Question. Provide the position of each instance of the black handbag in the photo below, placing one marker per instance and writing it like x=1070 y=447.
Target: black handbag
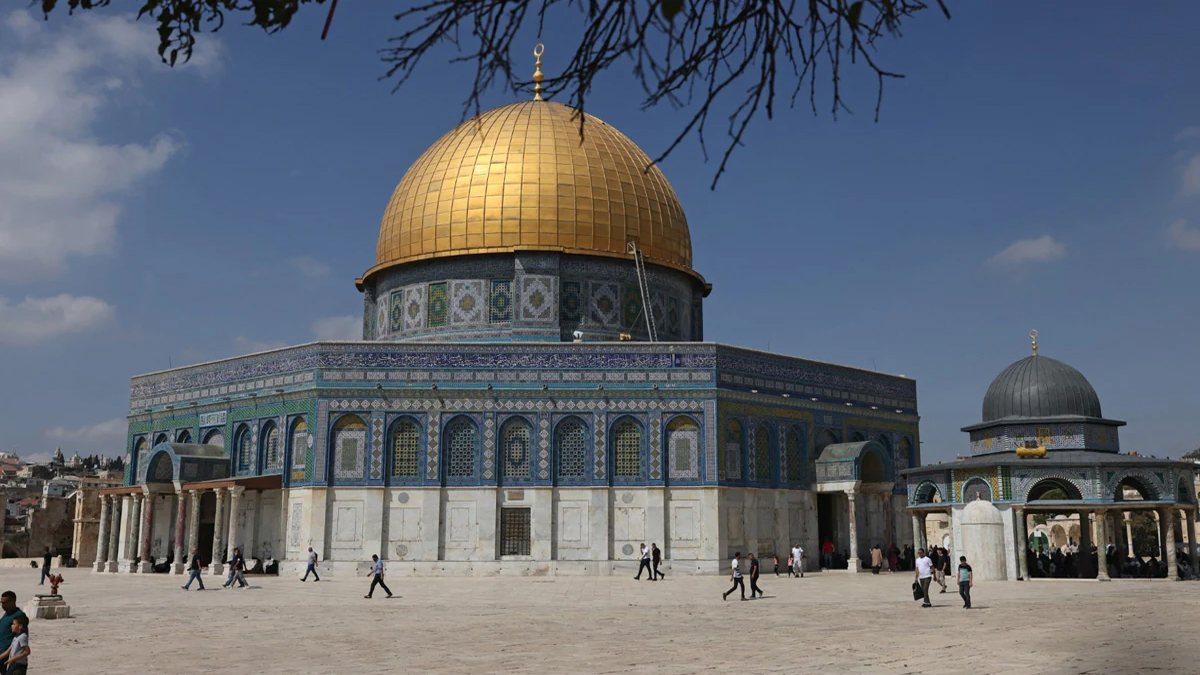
x=918 y=594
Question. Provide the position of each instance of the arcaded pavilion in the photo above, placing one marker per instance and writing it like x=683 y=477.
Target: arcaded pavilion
x=532 y=395
x=1045 y=448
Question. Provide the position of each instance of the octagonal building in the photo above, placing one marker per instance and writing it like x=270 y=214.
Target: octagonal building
x=532 y=395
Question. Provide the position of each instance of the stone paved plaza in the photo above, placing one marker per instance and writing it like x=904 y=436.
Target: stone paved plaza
x=836 y=623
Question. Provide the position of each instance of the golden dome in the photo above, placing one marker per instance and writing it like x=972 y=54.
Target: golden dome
x=519 y=178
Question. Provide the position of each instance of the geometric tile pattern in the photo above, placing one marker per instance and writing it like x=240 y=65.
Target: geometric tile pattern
x=432 y=446
x=462 y=436
x=794 y=457
x=762 y=454
x=631 y=308
x=604 y=304
x=672 y=319
x=627 y=449
x=376 y=447
x=382 y=320
x=414 y=309
x=543 y=462
x=655 y=447
x=437 y=308
x=572 y=302
x=516 y=443
x=467 y=303
x=537 y=298
x=500 y=307
x=598 y=452
x=489 y=446
x=349 y=448
x=733 y=449
x=406 y=449
x=571 y=450
x=710 y=441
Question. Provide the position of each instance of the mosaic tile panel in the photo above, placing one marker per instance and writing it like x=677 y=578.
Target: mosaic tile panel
x=500 y=303
x=403 y=302
x=383 y=318
x=604 y=304
x=793 y=456
x=468 y=303
x=349 y=448
x=300 y=445
x=489 y=446
x=671 y=320
x=571 y=310
x=571 y=450
x=537 y=298
x=433 y=446
x=438 y=307
x=655 y=447
x=543 y=463
x=658 y=304
x=710 y=440
x=414 y=309
x=631 y=308
x=732 y=446
x=376 y=447
x=517 y=448
x=762 y=454
x=599 y=448
x=320 y=442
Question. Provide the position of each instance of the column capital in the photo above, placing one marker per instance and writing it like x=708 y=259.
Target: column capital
x=236 y=490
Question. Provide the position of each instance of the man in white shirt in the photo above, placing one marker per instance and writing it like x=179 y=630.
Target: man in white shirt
x=736 y=577
x=644 y=563
x=798 y=559
x=924 y=575
x=377 y=578
x=312 y=566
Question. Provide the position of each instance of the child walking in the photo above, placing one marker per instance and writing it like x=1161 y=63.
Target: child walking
x=16 y=657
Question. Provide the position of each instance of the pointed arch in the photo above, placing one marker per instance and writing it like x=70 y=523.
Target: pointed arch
x=349 y=440
x=461 y=438
x=214 y=437
x=269 y=442
x=627 y=440
x=683 y=448
x=242 y=446
x=183 y=436
x=516 y=449
x=405 y=439
x=298 y=447
x=571 y=450
x=160 y=438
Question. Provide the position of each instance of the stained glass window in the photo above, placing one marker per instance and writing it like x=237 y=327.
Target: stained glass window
x=516 y=449
x=571 y=449
x=406 y=449
x=460 y=442
x=762 y=454
x=627 y=445
x=795 y=469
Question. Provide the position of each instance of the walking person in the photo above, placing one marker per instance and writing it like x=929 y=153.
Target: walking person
x=939 y=567
x=235 y=570
x=312 y=566
x=924 y=575
x=377 y=578
x=736 y=577
x=791 y=565
x=656 y=557
x=798 y=560
x=12 y=613
x=755 y=591
x=946 y=569
x=15 y=659
x=644 y=563
x=46 y=560
x=194 y=571
x=876 y=559
x=966 y=579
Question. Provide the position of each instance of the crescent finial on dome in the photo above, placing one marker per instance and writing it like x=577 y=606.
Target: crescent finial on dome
x=1033 y=336
x=537 y=73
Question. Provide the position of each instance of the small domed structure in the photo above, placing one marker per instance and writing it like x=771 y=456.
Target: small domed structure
x=982 y=529
x=1037 y=387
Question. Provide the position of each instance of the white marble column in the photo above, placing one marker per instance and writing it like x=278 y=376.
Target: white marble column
x=114 y=536
x=102 y=536
x=1102 y=545
x=134 y=538
x=1129 y=531
x=235 y=525
x=193 y=522
x=1083 y=563
x=918 y=526
x=216 y=567
x=852 y=565
x=147 y=530
x=1022 y=545
x=180 y=519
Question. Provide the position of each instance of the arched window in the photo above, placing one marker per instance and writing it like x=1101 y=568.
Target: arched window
x=733 y=449
x=977 y=489
x=904 y=453
x=461 y=440
x=215 y=437
x=242 y=443
x=349 y=447
x=627 y=449
x=762 y=453
x=570 y=450
x=683 y=448
x=270 y=444
x=160 y=438
x=184 y=436
x=406 y=449
x=298 y=440
x=794 y=457
x=514 y=443
x=133 y=461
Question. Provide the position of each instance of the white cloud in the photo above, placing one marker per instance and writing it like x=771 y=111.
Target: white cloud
x=106 y=437
x=310 y=267
x=338 y=328
x=1042 y=249
x=61 y=185
x=245 y=345
x=1191 y=177
x=36 y=319
x=1183 y=236
x=1188 y=132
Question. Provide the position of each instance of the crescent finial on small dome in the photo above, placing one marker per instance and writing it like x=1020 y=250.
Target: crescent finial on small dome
x=537 y=73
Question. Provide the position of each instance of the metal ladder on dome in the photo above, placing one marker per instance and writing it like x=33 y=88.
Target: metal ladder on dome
x=639 y=264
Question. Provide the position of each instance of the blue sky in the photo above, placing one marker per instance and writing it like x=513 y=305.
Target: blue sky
x=1039 y=167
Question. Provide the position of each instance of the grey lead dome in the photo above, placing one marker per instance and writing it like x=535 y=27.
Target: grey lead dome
x=1036 y=387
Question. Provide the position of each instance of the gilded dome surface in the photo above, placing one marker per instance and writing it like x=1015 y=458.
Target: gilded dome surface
x=1037 y=387
x=520 y=178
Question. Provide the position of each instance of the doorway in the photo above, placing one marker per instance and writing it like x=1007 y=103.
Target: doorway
x=827 y=527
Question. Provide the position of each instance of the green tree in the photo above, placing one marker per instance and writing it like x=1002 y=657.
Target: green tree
x=733 y=59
